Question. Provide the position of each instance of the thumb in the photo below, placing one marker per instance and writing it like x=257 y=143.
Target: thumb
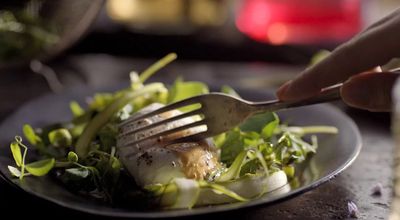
x=372 y=91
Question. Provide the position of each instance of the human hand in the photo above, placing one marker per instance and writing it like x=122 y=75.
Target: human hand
x=354 y=64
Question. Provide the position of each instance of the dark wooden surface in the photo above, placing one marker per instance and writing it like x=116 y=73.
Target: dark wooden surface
x=328 y=201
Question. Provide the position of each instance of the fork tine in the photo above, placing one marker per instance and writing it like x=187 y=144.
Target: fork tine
x=168 y=120
x=192 y=137
x=166 y=108
x=167 y=132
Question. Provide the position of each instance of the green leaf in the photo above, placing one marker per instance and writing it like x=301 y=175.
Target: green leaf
x=230 y=91
x=161 y=96
x=115 y=163
x=268 y=130
x=258 y=122
x=219 y=140
x=233 y=145
x=76 y=109
x=183 y=90
x=101 y=100
x=251 y=139
x=41 y=167
x=16 y=152
x=77 y=130
x=30 y=134
x=60 y=138
x=72 y=156
x=14 y=171
x=289 y=170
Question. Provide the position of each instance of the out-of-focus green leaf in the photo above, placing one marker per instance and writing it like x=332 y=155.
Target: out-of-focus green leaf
x=161 y=96
x=77 y=130
x=101 y=100
x=41 y=167
x=60 y=138
x=30 y=135
x=230 y=91
x=76 y=109
x=182 y=90
x=72 y=157
x=24 y=35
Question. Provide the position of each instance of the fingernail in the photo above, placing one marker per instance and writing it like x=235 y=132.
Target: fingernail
x=378 y=69
x=366 y=96
x=371 y=92
x=283 y=89
x=354 y=95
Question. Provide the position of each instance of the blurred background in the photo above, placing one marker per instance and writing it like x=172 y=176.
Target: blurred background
x=52 y=46
x=285 y=31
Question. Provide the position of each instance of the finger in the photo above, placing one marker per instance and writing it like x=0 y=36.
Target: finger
x=371 y=91
x=363 y=52
x=283 y=88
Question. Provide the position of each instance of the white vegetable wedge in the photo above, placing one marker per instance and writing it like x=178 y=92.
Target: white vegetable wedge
x=245 y=188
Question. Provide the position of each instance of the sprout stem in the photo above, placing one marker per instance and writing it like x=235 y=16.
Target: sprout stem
x=147 y=73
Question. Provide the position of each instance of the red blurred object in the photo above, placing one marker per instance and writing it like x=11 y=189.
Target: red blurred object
x=299 y=21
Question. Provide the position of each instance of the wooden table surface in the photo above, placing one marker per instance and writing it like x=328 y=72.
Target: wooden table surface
x=328 y=201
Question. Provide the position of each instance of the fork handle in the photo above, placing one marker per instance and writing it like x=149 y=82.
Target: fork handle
x=330 y=94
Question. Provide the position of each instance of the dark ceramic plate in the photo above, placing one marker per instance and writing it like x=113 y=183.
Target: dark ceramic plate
x=335 y=153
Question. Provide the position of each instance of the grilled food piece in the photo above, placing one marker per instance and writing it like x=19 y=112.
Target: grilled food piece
x=153 y=162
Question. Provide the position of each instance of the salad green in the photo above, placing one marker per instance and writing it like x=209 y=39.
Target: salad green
x=24 y=35
x=257 y=157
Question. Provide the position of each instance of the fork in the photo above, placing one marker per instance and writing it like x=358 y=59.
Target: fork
x=218 y=113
